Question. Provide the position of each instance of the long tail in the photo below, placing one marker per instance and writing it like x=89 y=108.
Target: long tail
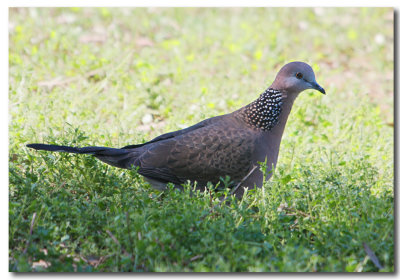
x=116 y=157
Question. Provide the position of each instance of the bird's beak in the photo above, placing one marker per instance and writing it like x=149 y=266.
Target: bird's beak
x=316 y=86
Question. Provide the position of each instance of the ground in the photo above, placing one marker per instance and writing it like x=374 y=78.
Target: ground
x=113 y=77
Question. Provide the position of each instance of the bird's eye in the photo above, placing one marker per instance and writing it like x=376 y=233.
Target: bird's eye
x=299 y=75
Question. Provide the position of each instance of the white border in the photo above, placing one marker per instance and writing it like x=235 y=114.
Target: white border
x=121 y=3
x=205 y=3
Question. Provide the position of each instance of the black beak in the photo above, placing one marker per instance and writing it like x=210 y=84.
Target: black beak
x=317 y=87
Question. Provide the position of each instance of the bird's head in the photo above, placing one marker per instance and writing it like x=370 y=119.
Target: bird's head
x=295 y=77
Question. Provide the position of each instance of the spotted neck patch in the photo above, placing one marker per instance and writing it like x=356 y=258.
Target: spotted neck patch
x=264 y=112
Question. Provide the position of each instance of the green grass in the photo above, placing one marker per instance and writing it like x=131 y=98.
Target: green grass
x=114 y=77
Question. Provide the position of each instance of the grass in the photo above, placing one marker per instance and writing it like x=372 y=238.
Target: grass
x=114 y=77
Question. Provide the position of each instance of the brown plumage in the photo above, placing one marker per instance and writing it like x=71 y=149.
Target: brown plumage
x=228 y=145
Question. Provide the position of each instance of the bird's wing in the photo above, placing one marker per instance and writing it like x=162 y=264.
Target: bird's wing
x=160 y=174
x=173 y=134
x=203 y=154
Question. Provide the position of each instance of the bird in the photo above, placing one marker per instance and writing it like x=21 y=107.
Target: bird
x=233 y=145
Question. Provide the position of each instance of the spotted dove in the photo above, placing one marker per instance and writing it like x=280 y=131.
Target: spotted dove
x=227 y=145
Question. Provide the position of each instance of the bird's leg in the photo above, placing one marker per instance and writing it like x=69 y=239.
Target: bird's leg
x=240 y=183
x=232 y=192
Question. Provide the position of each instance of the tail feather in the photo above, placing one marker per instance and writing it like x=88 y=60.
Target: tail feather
x=113 y=156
